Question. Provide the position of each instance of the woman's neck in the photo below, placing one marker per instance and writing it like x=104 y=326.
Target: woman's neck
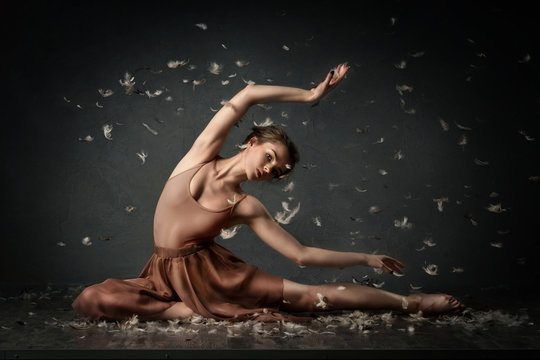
x=231 y=170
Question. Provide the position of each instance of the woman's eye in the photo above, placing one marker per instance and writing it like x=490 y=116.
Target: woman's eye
x=269 y=157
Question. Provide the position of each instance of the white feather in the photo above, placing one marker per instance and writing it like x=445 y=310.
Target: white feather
x=174 y=64
x=128 y=82
x=402 y=65
x=215 y=68
x=107 y=128
x=241 y=63
x=444 y=124
x=431 y=269
x=87 y=138
x=154 y=132
x=142 y=155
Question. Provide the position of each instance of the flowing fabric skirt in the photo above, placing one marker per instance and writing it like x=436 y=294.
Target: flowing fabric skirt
x=208 y=278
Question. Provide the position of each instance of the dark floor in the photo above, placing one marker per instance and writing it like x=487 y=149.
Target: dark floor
x=41 y=324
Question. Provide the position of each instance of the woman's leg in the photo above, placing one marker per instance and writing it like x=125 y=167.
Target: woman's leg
x=347 y=296
x=177 y=311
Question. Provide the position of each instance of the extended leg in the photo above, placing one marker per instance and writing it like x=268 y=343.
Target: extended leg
x=348 y=296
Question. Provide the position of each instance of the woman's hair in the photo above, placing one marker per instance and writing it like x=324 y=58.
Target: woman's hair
x=275 y=134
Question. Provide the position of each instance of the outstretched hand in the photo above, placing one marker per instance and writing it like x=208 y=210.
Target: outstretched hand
x=333 y=78
x=386 y=263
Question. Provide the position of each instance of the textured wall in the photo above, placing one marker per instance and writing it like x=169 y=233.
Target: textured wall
x=463 y=64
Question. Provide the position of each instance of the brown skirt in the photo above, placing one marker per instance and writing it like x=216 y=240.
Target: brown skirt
x=208 y=278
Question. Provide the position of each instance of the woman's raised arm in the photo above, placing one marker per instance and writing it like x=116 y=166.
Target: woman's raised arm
x=208 y=144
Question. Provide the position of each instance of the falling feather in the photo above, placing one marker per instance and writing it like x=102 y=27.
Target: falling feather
x=285 y=47
x=431 y=269
x=527 y=137
x=229 y=233
x=285 y=217
x=404 y=224
x=462 y=140
x=429 y=241
x=233 y=201
x=67 y=100
x=440 y=202
x=402 y=65
x=496 y=208
x=86 y=241
x=383 y=172
x=322 y=303
x=142 y=155
x=415 y=287
x=317 y=221
x=418 y=54
x=99 y=105
x=129 y=208
x=403 y=88
x=266 y=122
x=107 y=128
x=153 y=94
x=249 y=82
x=341 y=288
x=128 y=82
x=457 y=270
x=404 y=303
x=398 y=155
x=154 y=132
x=289 y=187
x=461 y=127
x=174 y=64
x=410 y=111
x=241 y=63
x=496 y=244
x=87 y=138
x=374 y=210
x=481 y=163
x=444 y=124
x=202 y=26
x=61 y=244
x=198 y=82
x=225 y=82
x=379 y=141
x=215 y=68
x=105 y=93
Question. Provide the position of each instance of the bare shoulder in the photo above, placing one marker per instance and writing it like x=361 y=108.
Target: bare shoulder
x=248 y=210
x=189 y=161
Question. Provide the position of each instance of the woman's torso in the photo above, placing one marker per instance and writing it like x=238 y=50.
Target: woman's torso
x=180 y=219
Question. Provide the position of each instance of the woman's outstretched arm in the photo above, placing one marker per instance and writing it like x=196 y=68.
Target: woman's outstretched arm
x=252 y=212
x=208 y=144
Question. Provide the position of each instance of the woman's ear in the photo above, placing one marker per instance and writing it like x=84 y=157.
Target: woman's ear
x=252 y=141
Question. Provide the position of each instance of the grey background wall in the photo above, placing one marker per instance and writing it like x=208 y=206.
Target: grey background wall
x=466 y=63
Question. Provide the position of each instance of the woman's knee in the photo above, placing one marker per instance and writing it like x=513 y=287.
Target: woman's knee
x=300 y=297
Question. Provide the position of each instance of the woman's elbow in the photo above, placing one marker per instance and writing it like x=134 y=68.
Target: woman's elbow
x=301 y=257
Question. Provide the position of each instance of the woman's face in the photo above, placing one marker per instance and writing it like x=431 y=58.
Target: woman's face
x=266 y=160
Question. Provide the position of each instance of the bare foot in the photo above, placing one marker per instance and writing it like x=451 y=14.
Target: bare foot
x=434 y=304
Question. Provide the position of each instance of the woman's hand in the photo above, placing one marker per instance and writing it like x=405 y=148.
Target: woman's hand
x=333 y=78
x=386 y=263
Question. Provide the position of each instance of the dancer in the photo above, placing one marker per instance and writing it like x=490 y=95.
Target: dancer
x=190 y=274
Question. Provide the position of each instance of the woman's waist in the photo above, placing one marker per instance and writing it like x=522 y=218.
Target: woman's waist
x=187 y=248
